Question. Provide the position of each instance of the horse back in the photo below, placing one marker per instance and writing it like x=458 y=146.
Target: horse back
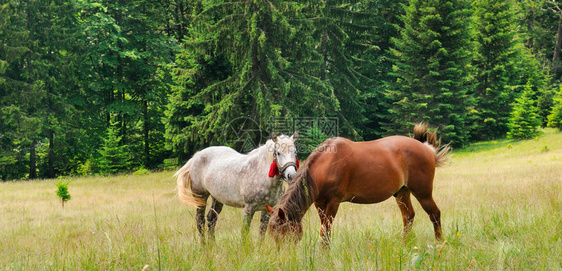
x=212 y=168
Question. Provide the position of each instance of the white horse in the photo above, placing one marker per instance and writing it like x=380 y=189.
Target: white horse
x=246 y=181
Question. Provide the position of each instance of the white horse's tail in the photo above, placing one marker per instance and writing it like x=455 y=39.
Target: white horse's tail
x=184 y=187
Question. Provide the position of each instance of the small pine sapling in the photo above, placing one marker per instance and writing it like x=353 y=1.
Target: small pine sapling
x=62 y=191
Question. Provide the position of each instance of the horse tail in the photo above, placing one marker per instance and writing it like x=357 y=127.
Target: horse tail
x=186 y=195
x=429 y=138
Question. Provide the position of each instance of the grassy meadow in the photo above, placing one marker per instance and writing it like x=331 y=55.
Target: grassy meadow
x=500 y=201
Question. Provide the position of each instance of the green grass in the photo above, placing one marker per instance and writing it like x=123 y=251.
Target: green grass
x=501 y=205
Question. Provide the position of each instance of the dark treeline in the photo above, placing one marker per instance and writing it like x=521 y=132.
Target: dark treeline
x=91 y=87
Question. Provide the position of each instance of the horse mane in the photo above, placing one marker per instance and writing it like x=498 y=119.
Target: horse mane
x=302 y=192
x=422 y=134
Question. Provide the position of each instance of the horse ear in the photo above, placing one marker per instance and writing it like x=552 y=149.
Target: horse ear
x=295 y=136
x=274 y=137
x=269 y=209
x=281 y=215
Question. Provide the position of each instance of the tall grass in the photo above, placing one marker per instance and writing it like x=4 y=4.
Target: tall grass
x=501 y=205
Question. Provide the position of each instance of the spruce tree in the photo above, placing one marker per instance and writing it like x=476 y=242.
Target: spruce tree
x=377 y=64
x=524 y=121
x=250 y=59
x=431 y=66
x=40 y=56
x=130 y=81
x=62 y=191
x=342 y=31
x=555 y=117
x=495 y=38
x=56 y=59
x=18 y=123
x=538 y=26
x=114 y=156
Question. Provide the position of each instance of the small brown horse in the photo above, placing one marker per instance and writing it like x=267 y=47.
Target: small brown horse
x=341 y=170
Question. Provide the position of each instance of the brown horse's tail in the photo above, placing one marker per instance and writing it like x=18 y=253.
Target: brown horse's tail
x=184 y=187
x=422 y=134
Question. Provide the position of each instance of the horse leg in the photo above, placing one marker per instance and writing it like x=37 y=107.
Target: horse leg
x=327 y=213
x=405 y=204
x=264 y=221
x=249 y=211
x=200 y=217
x=434 y=214
x=212 y=217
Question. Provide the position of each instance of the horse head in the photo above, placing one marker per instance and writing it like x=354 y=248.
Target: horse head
x=282 y=227
x=285 y=162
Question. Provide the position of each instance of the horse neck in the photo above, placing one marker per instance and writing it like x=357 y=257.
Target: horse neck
x=260 y=155
x=303 y=191
x=299 y=196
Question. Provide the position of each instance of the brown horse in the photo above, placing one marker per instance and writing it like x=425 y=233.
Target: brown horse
x=341 y=170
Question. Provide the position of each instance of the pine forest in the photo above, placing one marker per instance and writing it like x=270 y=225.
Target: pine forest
x=108 y=87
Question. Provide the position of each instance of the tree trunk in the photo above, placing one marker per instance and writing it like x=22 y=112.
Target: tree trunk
x=146 y=129
x=51 y=155
x=325 y=60
x=556 y=55
x=531 y=27
x=32 y=162
x=181 y=26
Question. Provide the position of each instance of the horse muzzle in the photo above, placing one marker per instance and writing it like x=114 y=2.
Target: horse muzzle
x=289 y=171
x=290 y=174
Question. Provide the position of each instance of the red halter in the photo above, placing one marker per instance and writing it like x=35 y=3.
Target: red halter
x=274 y=170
